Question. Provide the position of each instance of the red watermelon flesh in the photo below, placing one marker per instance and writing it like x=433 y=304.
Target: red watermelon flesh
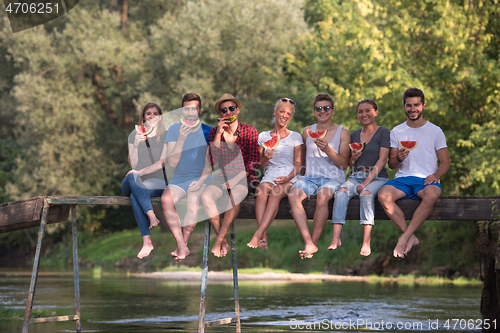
x=316 y=135
x=190 y=123
x=408 y=145
x=143 y=129
x=357 y=146
x=273 y=143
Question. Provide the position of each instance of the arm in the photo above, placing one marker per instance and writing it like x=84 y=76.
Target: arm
x=396 y=157
x=174 y=149
x=133 y=149
x=304 y=149
x=251 y=157
x=382 y=159
x=155 y=166
x=342 y=158
x=444 y=166
x=297 y=166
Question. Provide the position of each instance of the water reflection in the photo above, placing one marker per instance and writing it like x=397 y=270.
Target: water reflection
x=129 y=304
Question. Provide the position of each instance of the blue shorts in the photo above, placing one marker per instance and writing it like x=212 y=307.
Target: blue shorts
x=183 y=183
x=312 y=185
x=410 y=185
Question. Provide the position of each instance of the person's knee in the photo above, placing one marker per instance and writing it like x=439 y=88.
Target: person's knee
x=384 y=196
x=342 y=192
x=365 y=193
x=431 y=194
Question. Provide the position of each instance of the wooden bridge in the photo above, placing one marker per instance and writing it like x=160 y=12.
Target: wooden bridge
x=40 y=211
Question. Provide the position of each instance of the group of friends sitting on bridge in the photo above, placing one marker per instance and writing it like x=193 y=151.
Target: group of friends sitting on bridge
x=217 y=167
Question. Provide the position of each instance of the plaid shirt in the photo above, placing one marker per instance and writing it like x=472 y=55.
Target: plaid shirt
x=245 y=156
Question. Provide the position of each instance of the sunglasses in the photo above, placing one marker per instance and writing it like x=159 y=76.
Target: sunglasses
x=287 y=100
x=319 y=108
x=231 y=108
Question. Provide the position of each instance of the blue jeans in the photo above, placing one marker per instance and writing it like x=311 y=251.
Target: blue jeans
x=140 y=197
x=366 y=202
x=311 y=185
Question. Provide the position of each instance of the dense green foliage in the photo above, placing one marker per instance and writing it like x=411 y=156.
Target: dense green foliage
x=71 y=90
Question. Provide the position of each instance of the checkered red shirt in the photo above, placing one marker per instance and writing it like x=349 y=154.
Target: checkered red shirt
x=230 y=161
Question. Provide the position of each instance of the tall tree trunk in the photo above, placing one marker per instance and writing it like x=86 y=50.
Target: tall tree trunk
x=124 y=12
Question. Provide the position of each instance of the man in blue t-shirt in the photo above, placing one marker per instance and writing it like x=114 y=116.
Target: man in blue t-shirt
x=187 y=154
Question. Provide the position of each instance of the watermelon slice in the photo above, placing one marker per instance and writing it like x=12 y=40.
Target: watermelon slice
x=144 y=130
x=231 y=119
x=357 y=146
x=316 y=135
x=273 y=143
x=408 y=145
x=190 y=123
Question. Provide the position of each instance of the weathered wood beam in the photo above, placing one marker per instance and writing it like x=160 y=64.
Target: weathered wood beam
x=27 y=213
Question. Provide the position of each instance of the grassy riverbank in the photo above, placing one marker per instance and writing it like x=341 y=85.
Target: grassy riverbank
x=444 y=250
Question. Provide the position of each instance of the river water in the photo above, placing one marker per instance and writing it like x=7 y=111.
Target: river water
x=120 y=303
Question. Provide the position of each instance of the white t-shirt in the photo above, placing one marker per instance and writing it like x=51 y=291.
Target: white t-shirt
x=422 y=161
x=283 y=155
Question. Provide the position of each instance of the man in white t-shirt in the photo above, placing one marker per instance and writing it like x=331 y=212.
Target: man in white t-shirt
x=418 y=171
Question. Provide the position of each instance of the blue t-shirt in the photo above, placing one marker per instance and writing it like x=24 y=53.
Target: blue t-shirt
x=193 y=154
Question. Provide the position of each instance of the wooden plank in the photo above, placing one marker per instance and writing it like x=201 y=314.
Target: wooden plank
x=27 y=213
x=446 y=208
x=53 y=319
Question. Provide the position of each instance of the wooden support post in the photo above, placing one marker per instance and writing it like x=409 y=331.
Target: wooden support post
x=204 y=279
x=75 y=269
x=204 y=276
x=36 y=265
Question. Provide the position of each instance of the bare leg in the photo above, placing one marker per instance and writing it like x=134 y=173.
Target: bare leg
x=238 y=193
x=321 y=213
x=337 y=228
x=147 y=247
x=365 y=248
x=295 y=197
x=277 y=194
x=407 y=240
x=170 y=196
x=261 y=202
x=193 y=209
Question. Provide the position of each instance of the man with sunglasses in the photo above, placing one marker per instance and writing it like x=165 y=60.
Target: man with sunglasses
x=233 y=147
x=326 y=161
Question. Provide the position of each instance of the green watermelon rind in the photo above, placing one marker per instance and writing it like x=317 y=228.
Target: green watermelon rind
x=264 y=144
x=357 y=150
x=409 y=149
x=316 y=135
x=230 y=119
x=138 y=129
x=183 y=122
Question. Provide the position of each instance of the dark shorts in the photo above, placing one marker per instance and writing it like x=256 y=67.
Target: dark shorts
x=410 y=186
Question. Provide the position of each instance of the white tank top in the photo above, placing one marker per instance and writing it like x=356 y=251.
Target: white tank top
x=318 y=164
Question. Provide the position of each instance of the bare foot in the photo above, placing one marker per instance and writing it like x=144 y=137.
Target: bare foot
x=225 y=248
x=333 y=246
x=145 y=251
x=153 y=223
x=263 y=244
x=175 y=253
x=365 y=250
x=254 y=242
x=404 y=245
x=220 y=249
x=413 y=241
x=308 y=251
x=181 y=254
